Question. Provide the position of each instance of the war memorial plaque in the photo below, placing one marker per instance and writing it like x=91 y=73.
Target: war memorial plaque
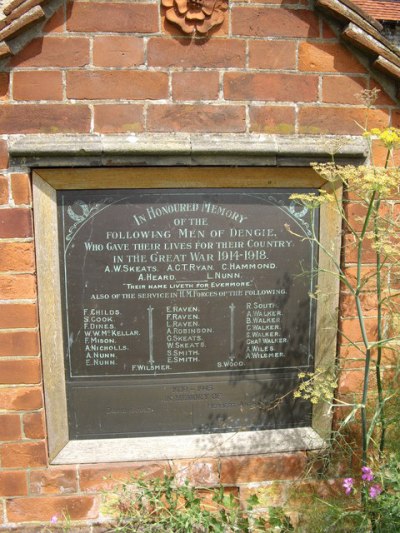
x=185 y=310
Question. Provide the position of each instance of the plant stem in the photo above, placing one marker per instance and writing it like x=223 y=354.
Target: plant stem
x=364 y=333
x=363 y=407
x=379 y=333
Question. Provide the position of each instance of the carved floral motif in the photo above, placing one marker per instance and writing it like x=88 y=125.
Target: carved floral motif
x=195 y=15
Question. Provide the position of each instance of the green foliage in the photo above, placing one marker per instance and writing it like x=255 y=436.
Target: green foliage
x=332 y=517
x=379 y=514
x=375 y=413
x=279 y=521
x=316 y=386
x=385 y=509
x=162 y=505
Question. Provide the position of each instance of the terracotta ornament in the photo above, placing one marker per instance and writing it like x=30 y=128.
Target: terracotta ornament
x=195 y=16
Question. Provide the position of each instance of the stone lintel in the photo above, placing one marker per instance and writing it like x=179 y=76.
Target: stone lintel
x=182 y=149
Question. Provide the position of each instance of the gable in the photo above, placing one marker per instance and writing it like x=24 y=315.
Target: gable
x=100 y=67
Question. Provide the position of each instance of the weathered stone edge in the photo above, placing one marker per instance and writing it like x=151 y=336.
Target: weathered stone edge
x=104 y=150
x=190 y=446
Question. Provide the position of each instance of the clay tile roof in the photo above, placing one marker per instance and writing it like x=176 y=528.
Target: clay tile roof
x=381 y=9
x=361 y=29
x=16 y=16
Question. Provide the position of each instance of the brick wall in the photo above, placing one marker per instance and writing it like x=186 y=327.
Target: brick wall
x=121 y=68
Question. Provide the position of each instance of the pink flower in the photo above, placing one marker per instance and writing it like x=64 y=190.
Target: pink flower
x=348 y=483
x=367 y=474
x=374 y=491
x=54 y=519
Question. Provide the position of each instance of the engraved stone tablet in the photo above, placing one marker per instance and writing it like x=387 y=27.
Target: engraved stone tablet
x=185 y=311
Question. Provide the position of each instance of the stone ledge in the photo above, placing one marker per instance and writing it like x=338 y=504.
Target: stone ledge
x=189 y=446
x=181 y=149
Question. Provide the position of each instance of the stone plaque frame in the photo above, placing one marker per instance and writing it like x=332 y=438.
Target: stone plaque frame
x=46 y=182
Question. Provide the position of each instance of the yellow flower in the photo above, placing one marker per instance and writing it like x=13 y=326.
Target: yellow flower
x=312 y=200
x=389 y=136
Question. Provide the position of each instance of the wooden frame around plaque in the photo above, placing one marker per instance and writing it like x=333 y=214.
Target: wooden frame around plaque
x=46 y=184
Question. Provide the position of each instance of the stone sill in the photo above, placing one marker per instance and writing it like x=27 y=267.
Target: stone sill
x=182 y=149
x=189 y=446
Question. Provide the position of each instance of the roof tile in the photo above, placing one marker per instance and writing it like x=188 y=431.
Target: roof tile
x=22 y=23
x=380 y=9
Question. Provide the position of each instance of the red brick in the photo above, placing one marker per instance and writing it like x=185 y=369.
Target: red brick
x=3 y=154
x=350 y=250
x=342 y=89
x=350 y=330
x=334 y=120
x=272 y=54
x=327 y=57
x=21 y=189
x=10 y=427
x=118 y=51
x=15 y=223
x=57 y=480
x=45 y=118
x=195 y=85
x=394 y=277
x=112 y=17
x=396 y=118
x=196 y=118
x=4 y=85
x=23 y=454
x=106 y=476
x=17 y=257
x=43 y=508
x=368 y=303
x=117 y=84
x=20 y=372
x=19 y=286
x=327 y=32
x=196 y=53
x=266 y=22
x=356 y=213
x=367 y=279
x=390 y=356
x=262 y=468
x=351 y=356
x=19 y=343
x=352 y=380
x=34 y=425
x=13 y=483
x=4 y=192
x=40 y=85
x=274 y=2
x=382 y=98
x=271 y=87
x=56 y=24
x=200 y=473
x=21 y=398
x=118 y=118
x=280 y=120
x=54 y=52
x=18 y=316
x=379 y=154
